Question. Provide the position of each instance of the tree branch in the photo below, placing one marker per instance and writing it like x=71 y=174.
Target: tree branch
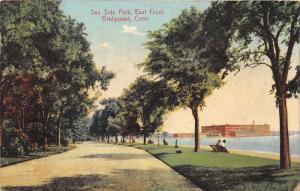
x=279 y=30
x=253 y=65
x=294 y=35
x=271 y=53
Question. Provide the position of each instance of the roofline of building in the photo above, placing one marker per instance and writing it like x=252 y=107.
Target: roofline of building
x=234 y=125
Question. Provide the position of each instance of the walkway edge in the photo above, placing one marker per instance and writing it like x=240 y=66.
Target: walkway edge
x=187 y=179
x=37 y=157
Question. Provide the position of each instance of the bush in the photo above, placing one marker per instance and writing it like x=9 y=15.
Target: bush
x=13 y=148
x=66 y=141
x=12 y=144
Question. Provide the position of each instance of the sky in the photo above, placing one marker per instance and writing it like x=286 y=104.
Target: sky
x=120 y=47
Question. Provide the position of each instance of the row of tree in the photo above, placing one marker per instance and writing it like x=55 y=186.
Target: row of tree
x=193 y=53
x=47 y=70
x=138 y=111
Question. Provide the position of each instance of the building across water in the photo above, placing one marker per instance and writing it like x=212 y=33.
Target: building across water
x=183 y=135
x=228 y=130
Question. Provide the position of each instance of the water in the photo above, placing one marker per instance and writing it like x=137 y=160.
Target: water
x=263 y=144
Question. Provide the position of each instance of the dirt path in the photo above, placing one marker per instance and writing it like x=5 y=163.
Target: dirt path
x=94 y=167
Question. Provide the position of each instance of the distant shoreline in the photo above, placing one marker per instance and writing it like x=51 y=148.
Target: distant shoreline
x=221 y=137
x=259 y=154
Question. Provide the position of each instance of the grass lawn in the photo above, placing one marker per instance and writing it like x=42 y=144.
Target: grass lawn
x=51 y=150
x=222 y=171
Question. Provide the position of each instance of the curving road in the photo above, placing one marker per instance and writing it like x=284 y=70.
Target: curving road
x=94 y=166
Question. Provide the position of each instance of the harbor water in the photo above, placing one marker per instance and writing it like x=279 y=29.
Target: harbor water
x=270 y=144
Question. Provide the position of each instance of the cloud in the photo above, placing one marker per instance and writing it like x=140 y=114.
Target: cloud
x=131 y=30
x=104 y=45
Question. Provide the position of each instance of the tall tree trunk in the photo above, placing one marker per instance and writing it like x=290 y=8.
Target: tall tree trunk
x=145 y=127
x=1 y=118
x=23 y=118
x=108 y=137
x=45 y=129
x=1 y=101
x=58 y=133
x=45 y=143
x=285 y=158
x=116 y=138
x=196 y=118
x=144 y=137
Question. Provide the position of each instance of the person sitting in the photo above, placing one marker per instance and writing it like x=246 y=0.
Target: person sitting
x=222 y=144
x=150 y=142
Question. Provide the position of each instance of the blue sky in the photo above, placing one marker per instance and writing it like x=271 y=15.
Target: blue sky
x=111 y=33
x=117 y=46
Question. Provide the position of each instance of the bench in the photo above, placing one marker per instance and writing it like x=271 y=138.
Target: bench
x=217 y=148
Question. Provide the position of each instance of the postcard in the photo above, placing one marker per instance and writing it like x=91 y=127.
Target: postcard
x=149 y=95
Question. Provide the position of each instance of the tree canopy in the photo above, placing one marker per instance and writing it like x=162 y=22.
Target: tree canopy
x=174 y=61
x=263 y=34
x=46 y=66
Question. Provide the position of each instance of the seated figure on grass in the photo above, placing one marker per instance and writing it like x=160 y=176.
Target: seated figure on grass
x=220 y=146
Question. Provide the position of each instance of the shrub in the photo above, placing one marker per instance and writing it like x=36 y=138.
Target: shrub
x=13 y=148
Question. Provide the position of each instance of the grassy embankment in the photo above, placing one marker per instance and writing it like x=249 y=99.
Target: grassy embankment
x=222 y=171
x=51 y=150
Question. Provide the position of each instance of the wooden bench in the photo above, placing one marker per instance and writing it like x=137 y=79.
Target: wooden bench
x=217 y=148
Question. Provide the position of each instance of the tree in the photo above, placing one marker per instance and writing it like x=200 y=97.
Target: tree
x=149 y=101
x=39 y=41
x=18 y=54
x=173 y=61
x=263 y=34
x=109 y=120
x=165 y=134
x=96 y=128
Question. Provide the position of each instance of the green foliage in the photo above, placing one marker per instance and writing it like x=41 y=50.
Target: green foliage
x=149 y=101
x=261 y=34
x=173 y=60
x=12 y=144
x=13 y=148
x=187 y=67
x=139 y=110
x=81 y=130
x=109 y=120
x=51 y=56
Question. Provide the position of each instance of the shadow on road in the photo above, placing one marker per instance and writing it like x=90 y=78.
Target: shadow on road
x=75 y=183
x=124 y=179
x=106 y=145
x=117 y=156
